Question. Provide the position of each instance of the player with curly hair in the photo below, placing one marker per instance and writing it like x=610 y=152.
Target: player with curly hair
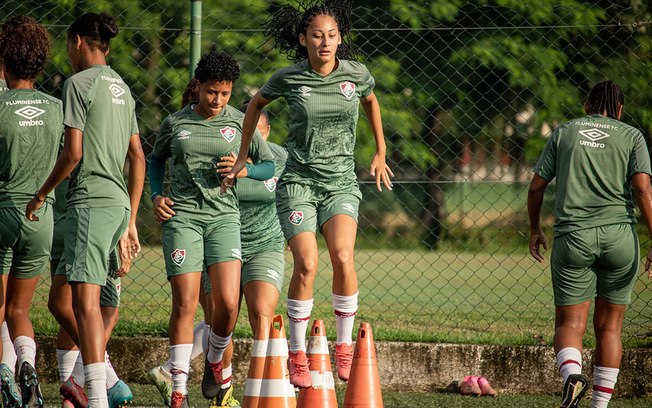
x=100 y=131
x=201 y=227
x=28 y=119
x=318 y=189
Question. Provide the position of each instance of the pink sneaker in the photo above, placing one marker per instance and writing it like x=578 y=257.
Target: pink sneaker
x=299 y=368
x=470 y=386
x=485 y=387
x=343 y=359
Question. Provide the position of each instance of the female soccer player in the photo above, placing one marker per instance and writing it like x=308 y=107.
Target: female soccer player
x=201 y=227
x=318 y=188
x=100 y=131
x=601 y=165
x=28 y=119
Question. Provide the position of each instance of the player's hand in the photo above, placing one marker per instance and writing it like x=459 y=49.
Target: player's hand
x=226 y=163
x=381 y=171
x=538 y=239
x=34 y=204
x=125 y=259
x=229 y=180
x=162 y=210
x=133 y=241
x=648 y=264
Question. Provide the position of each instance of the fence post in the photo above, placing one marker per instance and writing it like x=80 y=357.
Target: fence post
x=195 y=35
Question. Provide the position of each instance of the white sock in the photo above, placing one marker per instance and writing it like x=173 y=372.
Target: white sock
x=198 y=341
x=569 y=361
x=227 y=373
x=66 y=363
x=206 y=334
x=96 y=385
x=604 y=381
x=8 y=352
x=111 y=375
x=345 y=308
x=78 y=374
x=217 y=347
x=299 y=317
x=180 y=358
x=25 y=350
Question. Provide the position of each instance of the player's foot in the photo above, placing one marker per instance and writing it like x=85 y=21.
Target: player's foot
x=119 y=395
x=470 y=386
x=178 y=400
x=163 y=382
x=575 y=387
x=30 y=390
x=299 y=368
x=486 y=388
x=212 y=379
x=74 y=393
x=343 y=359
x=225 y=399
x=67 y=404
x=10 y=393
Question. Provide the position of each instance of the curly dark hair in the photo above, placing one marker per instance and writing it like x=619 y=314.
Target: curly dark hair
x=96 y=29
x=191 y=93
x=24 y=47
x=217 y=66
x=605 y=97
x=287 y=22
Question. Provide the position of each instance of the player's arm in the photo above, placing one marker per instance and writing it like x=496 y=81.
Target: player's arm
x=643 y=194
x=70 y=156
x=534 y=204
x=379 y=168
x=136 y=159
x=249 y=123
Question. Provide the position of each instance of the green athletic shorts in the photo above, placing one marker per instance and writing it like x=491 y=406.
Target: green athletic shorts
x=307 y=207
x=25 y=245
x=90 y=235
x=595 y=262
x=265 y=267
x=191 y=242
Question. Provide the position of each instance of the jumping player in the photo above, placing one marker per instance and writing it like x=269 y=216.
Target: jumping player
x=318 y=189
x=201 y=227
x=601 y=165
x=100 y=131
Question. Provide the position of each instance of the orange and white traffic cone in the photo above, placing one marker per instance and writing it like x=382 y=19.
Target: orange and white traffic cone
x=276 y=390
x=322 y=392
x=363 y=389
x=256 y=364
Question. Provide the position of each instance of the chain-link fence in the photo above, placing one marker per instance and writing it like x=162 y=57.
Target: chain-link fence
x=469 y=92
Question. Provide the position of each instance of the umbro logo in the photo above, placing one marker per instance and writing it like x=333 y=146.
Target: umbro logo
x=183 y=135
x=116 y=90
x=29 y=112
x=305 y=91
x=594 y=134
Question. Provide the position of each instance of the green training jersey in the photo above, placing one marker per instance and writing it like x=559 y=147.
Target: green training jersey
x=3 y=86
x=30 y=135
x=593 y=159
x=99 y=103
x=260 y=230
x=323 y=118
x=195 y=145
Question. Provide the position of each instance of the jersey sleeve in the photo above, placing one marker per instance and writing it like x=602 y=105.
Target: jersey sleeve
x=161 y=150
x=259 y=150
x=546 y=167
x=75 y=106
x=639 y=159
x=367 y=82
x=275 y=87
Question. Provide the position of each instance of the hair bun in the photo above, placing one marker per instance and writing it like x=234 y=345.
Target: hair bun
x=107 y=27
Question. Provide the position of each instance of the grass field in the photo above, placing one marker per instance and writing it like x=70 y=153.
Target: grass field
x=147 y=395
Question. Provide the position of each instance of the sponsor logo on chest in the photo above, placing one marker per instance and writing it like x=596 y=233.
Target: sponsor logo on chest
x=593 y=135
x=228 y=133
x=30 y=113
x=270 y=184
x=304 y=91
x=178 y=256
x=348 y=89
x=183 y=135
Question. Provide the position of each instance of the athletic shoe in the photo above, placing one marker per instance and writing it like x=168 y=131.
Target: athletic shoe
x=178 y=400
x=163 y=382
x=74 y=393
x=575 y=387
x=343 y=359
x=67 y=404
x=225 y=399
x=299 y=368
x=10 y=393
x=30 y=389
x=119 y=395
x=485 y=387
x=470 y=386
x=211 y=379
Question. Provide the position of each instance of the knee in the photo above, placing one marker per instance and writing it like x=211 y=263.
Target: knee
x=305 y=267
x=184 y=308
x=607 y=328
x=343 y=260
x=573 y=323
